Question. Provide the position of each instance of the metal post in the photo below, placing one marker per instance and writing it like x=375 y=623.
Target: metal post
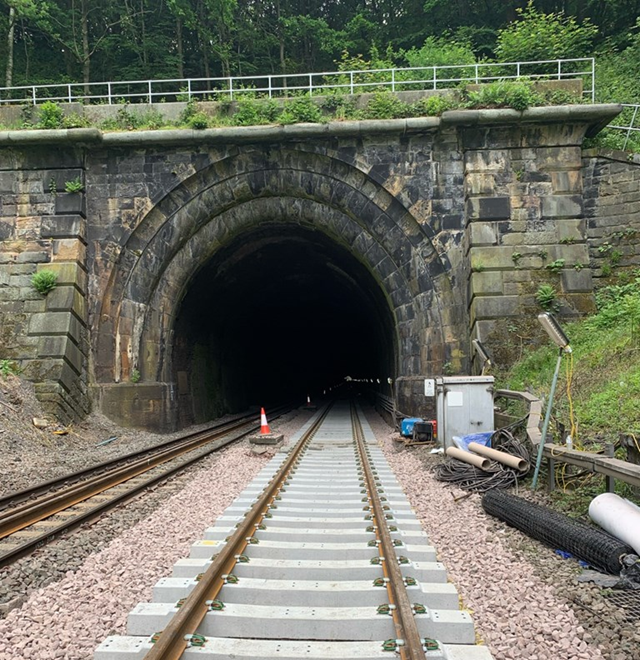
x=609 y=452
x=310 y=84
x=435 y=85
x=150 y=93
x=270 y=88
x=517 y=69
x=231 y=88
x=551 y=477
x=351 y=81
x=477 y=76
x=547 y=417
x=33 y=96
x=109 y=92
x=189 y=89
x=631 y=123
x=393 y=80
x=70 y=97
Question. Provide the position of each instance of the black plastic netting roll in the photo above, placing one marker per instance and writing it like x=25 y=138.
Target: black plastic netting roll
x=597 y=548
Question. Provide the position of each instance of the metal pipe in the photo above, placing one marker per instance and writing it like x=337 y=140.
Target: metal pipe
x=547 y=417
x=514 y=462
x=467 y=457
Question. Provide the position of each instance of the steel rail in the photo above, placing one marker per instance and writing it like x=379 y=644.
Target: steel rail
x=411 y=646
x=45 y=486
x=26 y=547
x=172 y=641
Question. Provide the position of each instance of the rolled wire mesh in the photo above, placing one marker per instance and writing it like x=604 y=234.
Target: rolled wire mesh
x=597 y=548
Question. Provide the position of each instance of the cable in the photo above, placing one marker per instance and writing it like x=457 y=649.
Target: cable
x=497 y=475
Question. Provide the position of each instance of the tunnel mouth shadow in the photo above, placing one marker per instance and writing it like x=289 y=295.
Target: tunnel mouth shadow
x=279 y=312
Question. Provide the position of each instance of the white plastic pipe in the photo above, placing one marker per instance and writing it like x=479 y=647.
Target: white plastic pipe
x=514 y=462
x=617 y=516
x=467 y=457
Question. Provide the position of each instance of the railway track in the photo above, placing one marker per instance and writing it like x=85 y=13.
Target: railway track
x=37 y=515
x=320 y=557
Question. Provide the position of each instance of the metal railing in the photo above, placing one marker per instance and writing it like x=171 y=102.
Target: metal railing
x=282 y=85
x=628 y=121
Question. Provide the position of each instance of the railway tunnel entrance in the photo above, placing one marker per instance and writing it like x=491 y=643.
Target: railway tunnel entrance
x=281 y=312
x=270 y=275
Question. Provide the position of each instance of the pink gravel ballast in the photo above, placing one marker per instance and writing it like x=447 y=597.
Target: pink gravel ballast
x=68 y=619
x=516 y=614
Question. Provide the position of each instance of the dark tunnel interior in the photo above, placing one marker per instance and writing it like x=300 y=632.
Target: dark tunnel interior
x=279 y=313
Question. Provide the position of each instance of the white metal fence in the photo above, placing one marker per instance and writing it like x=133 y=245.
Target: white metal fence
x=352 y=82
x=628 y=121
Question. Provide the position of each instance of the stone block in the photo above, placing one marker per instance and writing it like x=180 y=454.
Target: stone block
x=69 y=249
x=566 y=181
x=562 y=206
x=577 y=281
x=61 y=347
x=480 y=183
x=32 y=257
x=66 y=298
x=483 y=233
x=8 y=182
x=493 y=208
x=571 y=229
x=492 y=258
x=55 y=323
x=486 y=283
x=71 y=204
x=495 y=307
x=63 y=226
x=266 y=438
x=68 y=273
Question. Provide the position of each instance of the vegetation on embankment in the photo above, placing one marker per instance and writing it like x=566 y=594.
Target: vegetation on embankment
x=603 y=370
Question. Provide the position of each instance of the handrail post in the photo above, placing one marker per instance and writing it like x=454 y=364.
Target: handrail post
x=517 y=69
x=477 y=74
x=150 y=92
x=593 y=80
x=393 y=80
x=559 y=69
x=351 y=81
x=631 y=123
x=109 y=92
x=188 y=89
x=270 y=88
x=311 y=84
x=33 y=95
x=231 y=88
x=69 y=90
x=435 y=84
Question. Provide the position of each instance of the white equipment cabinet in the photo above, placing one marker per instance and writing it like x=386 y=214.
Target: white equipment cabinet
x=464 y=405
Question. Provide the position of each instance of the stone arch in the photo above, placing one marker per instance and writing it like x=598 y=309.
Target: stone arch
x=184 y=229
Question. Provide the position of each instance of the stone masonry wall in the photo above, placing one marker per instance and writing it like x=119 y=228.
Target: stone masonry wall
x=612 y=210
x=42 y=227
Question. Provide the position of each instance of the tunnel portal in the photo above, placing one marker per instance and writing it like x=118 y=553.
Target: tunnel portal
x=280 y=313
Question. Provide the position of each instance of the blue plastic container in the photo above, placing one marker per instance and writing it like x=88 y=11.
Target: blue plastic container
x=406 y=427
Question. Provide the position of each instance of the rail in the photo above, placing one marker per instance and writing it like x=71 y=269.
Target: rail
x=283 y=85
x=608 y=466
x=630 y=117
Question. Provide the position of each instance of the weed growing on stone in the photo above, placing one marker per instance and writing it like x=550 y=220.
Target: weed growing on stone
x=44 y=281
x=74 y=186
x=9 y=368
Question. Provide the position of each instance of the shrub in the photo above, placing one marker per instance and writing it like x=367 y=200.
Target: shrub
x=301 y=109
x=75 y=120
x=50 y=115
x=518 y=95
x=199 y=121
x=253 y=112
x=386 y=105
x=189 y=111
x=434 y=106
x=44 y=281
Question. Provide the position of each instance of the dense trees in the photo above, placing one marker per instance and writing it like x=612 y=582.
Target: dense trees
x=93 y=40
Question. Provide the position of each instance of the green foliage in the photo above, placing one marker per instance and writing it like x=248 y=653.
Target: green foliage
x=547 y=297
x=539 y=36
x=434 y=106
x=518 y=95
x=50 y=115
x=385 y=105
x=253 y=112
x=74 y=186
x=301 y=109
x=75 y=120
x=135 y=376
x=556 y=266
x=606 y=370
x=189 y=111
x=44 y=281
x=439 y=51
x=199 y=121
x=9 y=368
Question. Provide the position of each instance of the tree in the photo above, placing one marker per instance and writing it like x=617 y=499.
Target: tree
x=19 y=9
x=538 y=36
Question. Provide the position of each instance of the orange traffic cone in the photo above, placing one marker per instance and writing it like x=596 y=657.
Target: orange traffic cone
x=264 y=426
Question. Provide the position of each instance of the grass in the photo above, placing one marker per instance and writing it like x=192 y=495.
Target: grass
x=604 y=370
